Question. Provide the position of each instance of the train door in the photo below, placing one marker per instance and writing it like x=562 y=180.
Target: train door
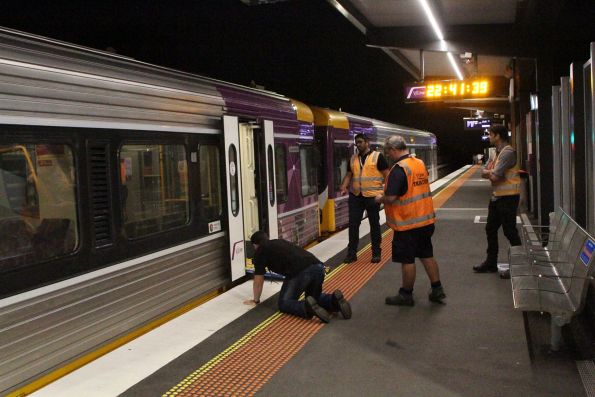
x=248 y=175
x=250 y=181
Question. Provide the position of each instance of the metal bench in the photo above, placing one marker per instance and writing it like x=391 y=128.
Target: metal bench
x=553 y=278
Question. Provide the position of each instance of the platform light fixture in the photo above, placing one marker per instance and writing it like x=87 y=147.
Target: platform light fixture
x=433 y=21
x=438 y=32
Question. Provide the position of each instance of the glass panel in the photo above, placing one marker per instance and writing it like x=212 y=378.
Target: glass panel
x=38 y=215
x=271 y=173
x=308 y=169
x=154 y=188
x=341 y=156
x=281 y=172
x=210 y=182
x=233 y=180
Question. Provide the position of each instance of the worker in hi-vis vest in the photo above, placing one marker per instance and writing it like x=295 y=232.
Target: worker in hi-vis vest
x=364 y=178
x=503 y=173
x=410 y=213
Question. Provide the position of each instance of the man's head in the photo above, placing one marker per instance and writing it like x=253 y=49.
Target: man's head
x=395 y=147
x=362 y=142
x=258 y=238
x=498 y=134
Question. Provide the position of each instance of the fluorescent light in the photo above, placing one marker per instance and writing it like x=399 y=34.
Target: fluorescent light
x=454 y=66
x=433 y=21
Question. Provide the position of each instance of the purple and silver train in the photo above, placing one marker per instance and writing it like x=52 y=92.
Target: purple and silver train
x=127 y=191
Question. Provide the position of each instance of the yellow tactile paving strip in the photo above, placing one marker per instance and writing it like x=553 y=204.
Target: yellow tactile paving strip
x=244 y=367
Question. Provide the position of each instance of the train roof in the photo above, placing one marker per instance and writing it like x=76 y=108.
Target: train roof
x=329 y=117
x=385 y=128
x=342 y=120
x=49 y=82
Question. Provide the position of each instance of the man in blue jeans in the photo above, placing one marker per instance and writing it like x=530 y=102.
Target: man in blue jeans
x=304 y=273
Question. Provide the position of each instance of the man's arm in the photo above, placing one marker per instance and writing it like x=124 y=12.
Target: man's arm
x=257 y=285
x=345 y=182
x=386 y=199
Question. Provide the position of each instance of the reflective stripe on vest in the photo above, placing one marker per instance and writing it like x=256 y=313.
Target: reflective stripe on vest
x=367 y=181
x=511 y=184
x=415 y=208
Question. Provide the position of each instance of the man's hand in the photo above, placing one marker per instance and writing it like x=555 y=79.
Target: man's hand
x=379 y=199
x=343 y=190
x=250 y=302
x=486 y=173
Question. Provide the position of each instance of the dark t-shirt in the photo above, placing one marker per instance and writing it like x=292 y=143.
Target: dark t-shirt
x=381 y=164
x=282 y=257
x=397 y=180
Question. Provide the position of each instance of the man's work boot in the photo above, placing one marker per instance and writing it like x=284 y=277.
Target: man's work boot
x=313 y=308
x=350 y=258
x=485 y=267
x=342 y=304
x=437 y=295
x=400 y=300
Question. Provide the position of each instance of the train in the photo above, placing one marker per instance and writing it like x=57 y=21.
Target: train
x=128 y=190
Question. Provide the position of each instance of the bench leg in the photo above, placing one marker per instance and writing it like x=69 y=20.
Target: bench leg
x=556 y=324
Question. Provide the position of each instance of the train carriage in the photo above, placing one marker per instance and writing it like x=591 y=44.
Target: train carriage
x=121 y=194
x=335 y=132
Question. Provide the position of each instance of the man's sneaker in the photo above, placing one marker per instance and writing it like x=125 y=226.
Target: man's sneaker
x=350 y=258
x=342 y=304
x=400 y=300
x=376 y=258
x=313 y=308
x=485 y=267
x=437 y=294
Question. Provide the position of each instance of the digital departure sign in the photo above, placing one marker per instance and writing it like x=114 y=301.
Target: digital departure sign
x=446 y=90
x=474 y=124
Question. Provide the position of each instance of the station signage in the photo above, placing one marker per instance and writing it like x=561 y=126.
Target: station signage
x=476 y=124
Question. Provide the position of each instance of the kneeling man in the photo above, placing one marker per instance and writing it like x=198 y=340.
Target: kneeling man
x=304 y=273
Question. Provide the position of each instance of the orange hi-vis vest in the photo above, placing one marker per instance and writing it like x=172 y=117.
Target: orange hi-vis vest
x=415 y=208
x=511 y=184
x=366 y=179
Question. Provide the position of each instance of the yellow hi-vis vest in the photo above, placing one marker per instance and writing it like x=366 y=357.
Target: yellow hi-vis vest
x=366 y=180
x=511 y=184
x=415 y=208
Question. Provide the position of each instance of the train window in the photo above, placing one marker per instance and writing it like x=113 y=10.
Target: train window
x=271 y=172
x=308 y=168
x=154 y=188
x=210 y=182
x=38 y=216
x=341 y=156
x=281 y=172
x=234 y=194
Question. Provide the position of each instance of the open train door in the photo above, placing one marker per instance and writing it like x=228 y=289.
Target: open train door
x=271 y=183
x=234 y=196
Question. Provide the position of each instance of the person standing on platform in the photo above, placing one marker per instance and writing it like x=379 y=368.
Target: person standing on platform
x=506 y=189
x=366 y=173
x=304 y=273
x=410 y=213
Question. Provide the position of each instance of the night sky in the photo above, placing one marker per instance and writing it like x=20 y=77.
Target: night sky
x=303 y=49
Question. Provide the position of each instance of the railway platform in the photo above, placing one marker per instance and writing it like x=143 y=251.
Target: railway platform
x=475 y=344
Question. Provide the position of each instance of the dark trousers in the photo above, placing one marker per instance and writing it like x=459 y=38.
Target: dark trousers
x=308 y=281
x=357 y=205
x=501 y=212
